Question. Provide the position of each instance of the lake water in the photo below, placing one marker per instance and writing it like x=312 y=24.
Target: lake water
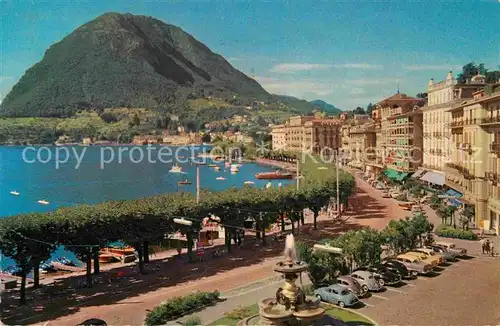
x=99 y=178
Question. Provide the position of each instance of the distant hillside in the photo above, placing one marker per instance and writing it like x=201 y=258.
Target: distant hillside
x=300 y=106
x=122 y=60
x=328 y=108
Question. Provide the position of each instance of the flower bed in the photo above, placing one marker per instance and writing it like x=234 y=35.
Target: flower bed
x=447 y=231
x=180 y=306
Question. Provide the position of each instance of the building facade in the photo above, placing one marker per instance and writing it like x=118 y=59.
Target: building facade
x=474 y=169
x=441 y=97
x=306 y=134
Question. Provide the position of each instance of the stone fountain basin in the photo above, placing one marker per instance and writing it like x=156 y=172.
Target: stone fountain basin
x=274 y=313
x=283 y=267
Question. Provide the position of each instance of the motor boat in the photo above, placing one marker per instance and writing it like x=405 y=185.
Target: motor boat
x=43 y=202
x=220 y=178
x=248 y=182
x=213 y=166
x=65 y=261
x=14 y=193
x=274 y=175
x=184 y=182
x=175 y=169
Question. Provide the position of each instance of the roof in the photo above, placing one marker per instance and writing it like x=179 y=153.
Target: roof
x=398 y=97
x=434 y=177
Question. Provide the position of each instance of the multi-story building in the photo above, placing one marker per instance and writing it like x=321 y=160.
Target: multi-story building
x=306 y=134
x=474 y=169
x=399 y=134
x=441 y=96
x=361 y=145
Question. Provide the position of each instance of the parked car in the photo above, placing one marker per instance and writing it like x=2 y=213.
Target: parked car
x=352 y=284
x=450 y=246
x=447 y=254
x=431 y=253
x=415 y=264
x=367 y=280
x=385 y=194
x=423 y=257
x=399 y=268
x=337 y=294
x=383 y=274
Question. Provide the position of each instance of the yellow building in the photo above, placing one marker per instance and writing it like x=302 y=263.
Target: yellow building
x=441 y=97
x=399 y=135
x=474 y=169
x=362 y=145
x=306 y=134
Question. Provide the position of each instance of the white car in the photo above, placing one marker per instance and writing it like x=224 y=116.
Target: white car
x=367 y=280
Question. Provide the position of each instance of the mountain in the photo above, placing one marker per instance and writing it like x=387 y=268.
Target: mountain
x=123 y=60
x=329 y=108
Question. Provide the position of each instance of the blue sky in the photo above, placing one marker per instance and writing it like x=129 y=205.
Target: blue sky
x=347 y=53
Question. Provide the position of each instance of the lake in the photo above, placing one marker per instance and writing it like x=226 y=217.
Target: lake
x=88 y=175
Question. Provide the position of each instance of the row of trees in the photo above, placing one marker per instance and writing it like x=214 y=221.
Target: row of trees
x=365 y=247
x=30 y=239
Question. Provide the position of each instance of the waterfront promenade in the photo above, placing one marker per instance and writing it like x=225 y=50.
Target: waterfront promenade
x=127 y=301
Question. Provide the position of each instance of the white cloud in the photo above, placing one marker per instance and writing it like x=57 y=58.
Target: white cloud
x=444 y=67
x=376 y=81
x=4 y=78
x=298 y=88
x=356 y=91
x=295 y=67
x=358 y=66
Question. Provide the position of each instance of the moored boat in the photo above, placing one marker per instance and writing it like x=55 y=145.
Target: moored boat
x=14 y=193
x=274 y=175
x=184 y=182
x=220 y=178
x=175 y=169
x=249 y=182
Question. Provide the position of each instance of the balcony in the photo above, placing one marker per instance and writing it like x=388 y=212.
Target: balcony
x=456 y=124
x=456 y=168
x=490 y=120
x=495 y=148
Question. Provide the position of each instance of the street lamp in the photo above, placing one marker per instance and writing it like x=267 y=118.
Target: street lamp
x=183 y=221
x=327 y=248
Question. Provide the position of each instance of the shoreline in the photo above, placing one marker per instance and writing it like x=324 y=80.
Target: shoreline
x=282 y=165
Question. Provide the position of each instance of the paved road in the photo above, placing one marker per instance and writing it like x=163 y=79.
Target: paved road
x=128 y=303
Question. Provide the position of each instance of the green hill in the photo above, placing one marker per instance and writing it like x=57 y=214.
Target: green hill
x=328 y=108
x=122 y=60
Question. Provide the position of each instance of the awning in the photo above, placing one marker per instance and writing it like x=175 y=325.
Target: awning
x=395 y=175
x=454 y=193
x=418 y=174
x=434 y=177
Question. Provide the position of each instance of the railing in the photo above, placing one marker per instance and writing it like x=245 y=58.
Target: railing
x=460 y=169
x=489 y=120
x=456 y=124
x=495 y=148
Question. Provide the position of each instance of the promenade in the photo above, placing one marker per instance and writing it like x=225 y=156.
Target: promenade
x=127 y=302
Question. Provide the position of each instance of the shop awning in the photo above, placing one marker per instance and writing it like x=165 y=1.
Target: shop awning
x=454 y=193
x=434 y=177
x=395 y=175
x=418 y=174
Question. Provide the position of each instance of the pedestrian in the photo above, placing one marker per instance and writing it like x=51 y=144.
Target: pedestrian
x=482 y=241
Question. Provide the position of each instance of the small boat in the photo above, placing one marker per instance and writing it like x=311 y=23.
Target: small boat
x=175 y=169
x=248 y=182
x=121 y=250
x=199 y=163
x=217 y=168
x=234 y=168
x=106 y=257
x=213 y=166
x=227 y=164
x=14 y=193
x=184 y=182
x=65 y=261
x=220 y=178
x=43 y=202
x=274 y=175
x=269 y=185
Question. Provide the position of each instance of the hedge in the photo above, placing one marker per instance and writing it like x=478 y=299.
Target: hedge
x=180 y=306
x=447 y=231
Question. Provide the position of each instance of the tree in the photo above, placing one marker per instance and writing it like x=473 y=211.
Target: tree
x=422 y=95
x=369 y=108
x=135 y=121
x=359 y=110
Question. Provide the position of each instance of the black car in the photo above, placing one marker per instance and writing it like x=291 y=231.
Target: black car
x=397 y=267
x=384 y=275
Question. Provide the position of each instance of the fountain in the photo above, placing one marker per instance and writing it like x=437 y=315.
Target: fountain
x=290 y=306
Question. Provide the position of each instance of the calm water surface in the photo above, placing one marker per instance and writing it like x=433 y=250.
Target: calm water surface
x=89 y=184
